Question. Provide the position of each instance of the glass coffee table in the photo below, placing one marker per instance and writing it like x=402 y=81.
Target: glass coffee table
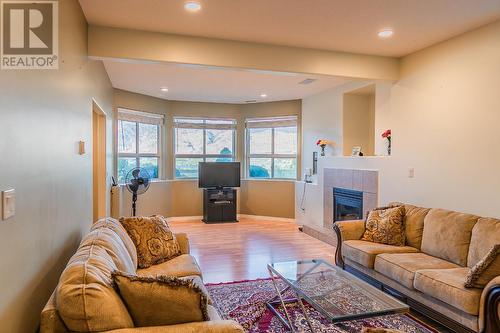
x=338 y=295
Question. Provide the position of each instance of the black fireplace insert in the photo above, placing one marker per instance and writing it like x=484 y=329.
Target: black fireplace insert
x=347 y=204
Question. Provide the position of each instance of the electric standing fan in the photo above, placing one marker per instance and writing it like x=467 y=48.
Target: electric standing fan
x=137 y=181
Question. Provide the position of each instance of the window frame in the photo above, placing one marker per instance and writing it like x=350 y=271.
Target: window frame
x=272 y=155
x=204 y=156
x=137 y=155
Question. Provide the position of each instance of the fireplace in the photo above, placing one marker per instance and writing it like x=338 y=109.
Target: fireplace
x=347 y=204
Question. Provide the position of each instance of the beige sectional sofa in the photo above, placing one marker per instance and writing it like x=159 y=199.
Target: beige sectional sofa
x=429 y=271
x=85 y=299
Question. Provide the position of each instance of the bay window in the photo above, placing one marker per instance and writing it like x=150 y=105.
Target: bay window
x=271 y=147
x=139 y=143
x=202 y=140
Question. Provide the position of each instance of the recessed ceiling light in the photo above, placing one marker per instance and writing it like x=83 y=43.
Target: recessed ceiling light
x=263 y=95
x=385 y=33
x=192 y=6
x=164 y=89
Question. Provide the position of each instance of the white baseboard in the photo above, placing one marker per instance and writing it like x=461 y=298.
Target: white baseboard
x=271 y=218
x=185 y=218
x=199 y=218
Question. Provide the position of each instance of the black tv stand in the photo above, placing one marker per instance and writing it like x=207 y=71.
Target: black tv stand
x=219 y=205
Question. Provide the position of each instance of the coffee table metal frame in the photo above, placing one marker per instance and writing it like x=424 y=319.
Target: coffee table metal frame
x=300 y=296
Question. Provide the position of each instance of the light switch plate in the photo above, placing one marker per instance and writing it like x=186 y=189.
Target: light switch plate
x=8 y=204
x=81 y=147
x=411 y=172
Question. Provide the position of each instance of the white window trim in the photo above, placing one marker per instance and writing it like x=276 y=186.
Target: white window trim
x=140 y=117
x=143 y=118
x=269 y=123
x=203 y=127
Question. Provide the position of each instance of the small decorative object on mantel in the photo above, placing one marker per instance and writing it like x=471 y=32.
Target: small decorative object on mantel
x=323 y=144
x=356 y=151
x=387 y=135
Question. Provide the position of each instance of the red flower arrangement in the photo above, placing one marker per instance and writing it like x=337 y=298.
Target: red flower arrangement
x=387 y=135
x=323 y=144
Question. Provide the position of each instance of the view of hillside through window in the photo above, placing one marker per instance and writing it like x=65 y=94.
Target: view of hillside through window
x=205 y=144
x=272 y=152
x=138 y=146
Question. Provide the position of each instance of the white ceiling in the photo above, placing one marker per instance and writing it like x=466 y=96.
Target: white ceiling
x=207 y=84
x=343 y=25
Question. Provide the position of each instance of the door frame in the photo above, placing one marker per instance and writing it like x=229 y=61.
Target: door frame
x=99 y=173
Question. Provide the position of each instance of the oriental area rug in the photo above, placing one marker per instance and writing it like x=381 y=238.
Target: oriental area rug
x=245 y=302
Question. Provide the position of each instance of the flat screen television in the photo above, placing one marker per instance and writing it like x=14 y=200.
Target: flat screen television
x=219 y=174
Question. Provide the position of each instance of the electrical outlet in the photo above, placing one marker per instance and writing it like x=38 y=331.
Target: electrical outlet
x=8 y=204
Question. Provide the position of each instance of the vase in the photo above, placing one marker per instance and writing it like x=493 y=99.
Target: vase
x=323 y=150
x=389 y=147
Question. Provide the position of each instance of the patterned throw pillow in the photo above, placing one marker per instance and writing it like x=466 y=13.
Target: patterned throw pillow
x=485 y=270
x=153 y=239
x=390 y=205
x=162 y=300
x=385 y=226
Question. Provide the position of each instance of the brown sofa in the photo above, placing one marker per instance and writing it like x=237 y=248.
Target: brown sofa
x=86 y=301
x=429 y=272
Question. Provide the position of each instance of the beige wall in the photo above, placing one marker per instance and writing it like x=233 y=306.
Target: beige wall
x=43 y=115
x=268 y=198
x=371 y=125
x=444 y=116
x=183 y=197
x=358 y=123
x=117 y=43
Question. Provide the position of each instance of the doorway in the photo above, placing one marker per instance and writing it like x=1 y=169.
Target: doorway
x=98 y=161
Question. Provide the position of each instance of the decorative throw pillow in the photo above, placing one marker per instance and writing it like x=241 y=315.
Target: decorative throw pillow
x=390 y=205
x=385 y=226
x=485 y=270
x=153 y=239
x=162 y=300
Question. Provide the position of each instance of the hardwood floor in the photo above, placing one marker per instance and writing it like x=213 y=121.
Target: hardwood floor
x=240 y=251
